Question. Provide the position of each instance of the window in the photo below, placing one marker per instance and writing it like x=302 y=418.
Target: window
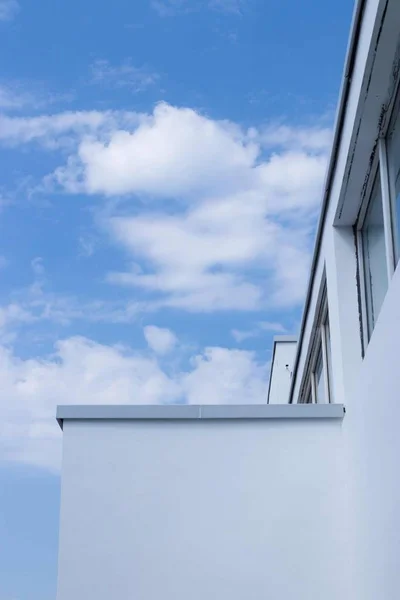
x=329 y=358
x=378 y=228
x=318 y=387
x=319 y=379
x=393 y=150
x=308 y=398
x=374 y=256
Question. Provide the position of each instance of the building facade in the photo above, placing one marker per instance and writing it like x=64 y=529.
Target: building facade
x=297 y=499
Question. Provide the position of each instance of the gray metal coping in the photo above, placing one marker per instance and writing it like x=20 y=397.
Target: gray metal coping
x=193 y=412
x=279 y=339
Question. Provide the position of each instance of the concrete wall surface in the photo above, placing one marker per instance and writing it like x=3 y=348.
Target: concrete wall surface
x=371 y=431
x=214 y=509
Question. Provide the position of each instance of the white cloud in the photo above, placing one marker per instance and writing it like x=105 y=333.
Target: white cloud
x=233 y=7
x=292 y=180
x=38 y=304
x=8 y=9
x=178 y=153
x=11 y=98
x=186 y=251
x=159 y=339
x=271 y=326
x=285 y=136
x=87 y=246
x=240 y=335
x=222 y=376
x=214 y=257
x=174 y=152
x=38 y=267
x=227 y=215
x=85 y=372
x=63 y=129
x=80 y=371
x=241 y=206
x=16 y=95
x=126 y=74
x=169 y=8
x=11 y=314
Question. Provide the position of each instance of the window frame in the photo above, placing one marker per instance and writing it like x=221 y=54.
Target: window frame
x=390 y=191
x=366 y=317
x=319 y=349
x=379 y=170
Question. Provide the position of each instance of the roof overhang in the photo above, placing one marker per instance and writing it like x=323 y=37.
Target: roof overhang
x=375 y=104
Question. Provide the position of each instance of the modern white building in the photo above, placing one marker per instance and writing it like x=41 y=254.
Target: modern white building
x=297 y=499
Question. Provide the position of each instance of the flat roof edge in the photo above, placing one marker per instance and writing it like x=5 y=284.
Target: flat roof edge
x=194 y=413
x=285 y=338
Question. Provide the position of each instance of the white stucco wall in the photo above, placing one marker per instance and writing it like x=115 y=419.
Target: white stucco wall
x=371 y=433
x=369 y=386
x=194 y=510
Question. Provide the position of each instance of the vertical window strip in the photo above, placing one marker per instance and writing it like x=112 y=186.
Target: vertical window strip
x=329 y=357
x=363 y=291
x=387 y=208
x=313 y=388
x=373 y=258
x=324 y=343
x=318 y=385
x=391 y=146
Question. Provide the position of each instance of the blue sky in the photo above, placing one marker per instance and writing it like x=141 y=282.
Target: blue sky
x=161 y=165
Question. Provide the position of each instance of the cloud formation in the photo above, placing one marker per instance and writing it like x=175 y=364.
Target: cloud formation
x=173 y=152
x=81 y=371
x=230 y=213
x=11 y=98
x=38 y=304
x=159 y=339
x=62 y=129
x=213 y=217
x=170 y=8
x=124 y=75
x=240 y=335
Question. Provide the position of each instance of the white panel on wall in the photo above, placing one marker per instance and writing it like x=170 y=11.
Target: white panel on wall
x=281 y=369
x=195 y=510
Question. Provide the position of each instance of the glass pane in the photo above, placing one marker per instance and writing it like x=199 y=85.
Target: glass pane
x=319 y=379
x=329 y=359
x=393 y=147
x=373 y=237
x=308 y=396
